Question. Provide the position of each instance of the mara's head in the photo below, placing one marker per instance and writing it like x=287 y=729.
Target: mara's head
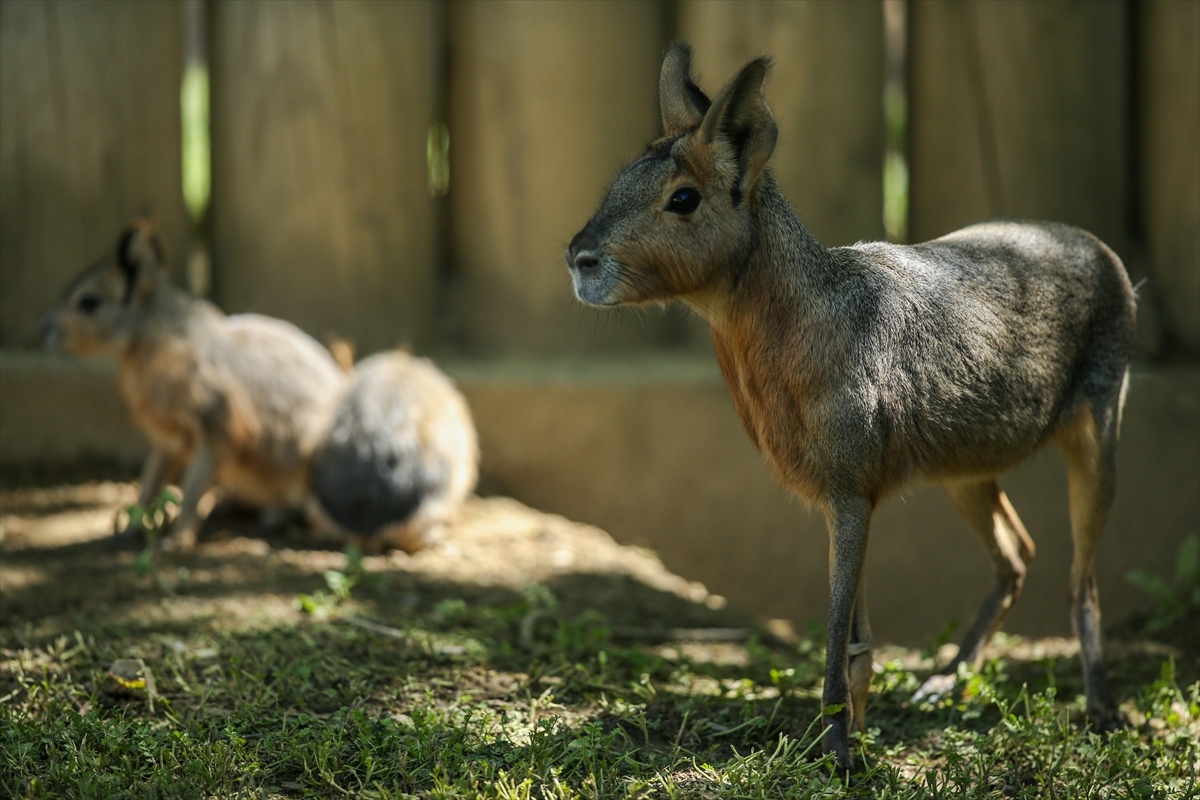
x=681 y=216
x=102 y=307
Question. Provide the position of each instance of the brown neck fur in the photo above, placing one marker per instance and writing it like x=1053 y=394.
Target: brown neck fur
x=768 y=328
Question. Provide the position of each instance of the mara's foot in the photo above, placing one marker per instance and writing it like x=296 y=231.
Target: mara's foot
x=178 y=541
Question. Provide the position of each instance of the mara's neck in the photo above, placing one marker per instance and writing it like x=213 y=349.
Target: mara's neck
x=168 y=316
x=773 y=289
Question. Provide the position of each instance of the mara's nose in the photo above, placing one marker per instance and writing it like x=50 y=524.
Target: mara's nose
x=585 y=260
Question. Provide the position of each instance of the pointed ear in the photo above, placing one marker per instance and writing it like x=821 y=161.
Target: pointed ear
x=740 y=123
x=141 y=255
x=683 y=104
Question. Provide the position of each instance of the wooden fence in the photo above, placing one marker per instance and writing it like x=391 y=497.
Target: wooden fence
x=1086 y=112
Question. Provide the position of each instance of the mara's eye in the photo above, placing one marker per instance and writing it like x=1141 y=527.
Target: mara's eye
x=88 y=303
x=684 y=201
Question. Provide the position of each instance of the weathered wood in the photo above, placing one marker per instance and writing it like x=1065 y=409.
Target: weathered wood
x=826 y=91
x=1170 y=160
x=89 y=136
x=1019 y=110
x=320 y=210
x=548 y=101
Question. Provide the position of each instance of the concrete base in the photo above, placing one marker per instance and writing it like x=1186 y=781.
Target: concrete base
x=650 y=449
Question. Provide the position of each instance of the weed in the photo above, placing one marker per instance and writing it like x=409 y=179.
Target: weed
x=340 y=583
x=1172 y=600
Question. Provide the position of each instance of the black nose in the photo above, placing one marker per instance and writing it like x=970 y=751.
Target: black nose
x=586 y=261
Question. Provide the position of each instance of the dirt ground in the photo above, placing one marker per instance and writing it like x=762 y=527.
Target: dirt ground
x=56 y=563
x=58 y=574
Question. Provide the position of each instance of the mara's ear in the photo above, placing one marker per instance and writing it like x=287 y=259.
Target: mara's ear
x=683 y=104
x=141 y=255
x=740 y=124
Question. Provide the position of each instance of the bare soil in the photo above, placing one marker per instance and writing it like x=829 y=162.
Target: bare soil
x=58 y=574
x=56 y=563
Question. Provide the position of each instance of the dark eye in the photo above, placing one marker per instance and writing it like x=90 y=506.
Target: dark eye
x=88 y=303
x=684 y=201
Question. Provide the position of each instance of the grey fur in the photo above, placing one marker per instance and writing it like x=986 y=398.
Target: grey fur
x=237 y=401
x=857 y=370
x=401 y=450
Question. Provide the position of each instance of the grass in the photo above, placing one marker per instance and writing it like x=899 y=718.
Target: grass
x=519 y=701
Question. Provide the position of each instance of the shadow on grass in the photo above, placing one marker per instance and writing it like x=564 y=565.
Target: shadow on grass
x=460 y=684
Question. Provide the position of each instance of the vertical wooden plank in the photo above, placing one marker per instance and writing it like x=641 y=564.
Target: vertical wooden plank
x=548 y=102
x=826 y=91
x=1170 y=160
x=1018 y=110
x=89 y=136
x=320 y=211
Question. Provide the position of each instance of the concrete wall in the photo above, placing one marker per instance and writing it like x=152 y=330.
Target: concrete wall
x=653 y=453
x=89 y=135
x=651 y=450
x=320 y=210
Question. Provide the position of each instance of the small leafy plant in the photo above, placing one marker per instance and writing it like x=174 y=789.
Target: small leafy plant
x=152 y=520
x=1172 y=600
x=340 y=584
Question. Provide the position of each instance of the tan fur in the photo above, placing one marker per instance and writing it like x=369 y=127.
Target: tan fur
x=342 y=351
x=237 y=401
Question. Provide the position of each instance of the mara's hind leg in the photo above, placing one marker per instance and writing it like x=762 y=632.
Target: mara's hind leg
x=1090 y=446
x=993 y=519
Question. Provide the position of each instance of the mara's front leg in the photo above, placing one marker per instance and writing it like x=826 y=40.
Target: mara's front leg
x=849 y=520
x=156 y=473
x=196 y=480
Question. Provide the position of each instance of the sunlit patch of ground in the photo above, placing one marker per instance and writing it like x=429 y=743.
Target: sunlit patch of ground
x=55 y=560
x=521 y=656
x=47 y=518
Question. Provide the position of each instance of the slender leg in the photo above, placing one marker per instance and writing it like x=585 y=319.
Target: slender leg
x=151 y=482
x=1090 y=448
x=849 y=520
x=196 y=480
x=993 y=519
x=862 y=666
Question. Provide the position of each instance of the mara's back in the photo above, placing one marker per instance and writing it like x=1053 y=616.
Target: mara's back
x=401 y=438
x=979 y=345
x=290 y=378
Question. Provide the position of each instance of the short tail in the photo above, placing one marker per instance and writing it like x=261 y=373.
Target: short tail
x=366 y=491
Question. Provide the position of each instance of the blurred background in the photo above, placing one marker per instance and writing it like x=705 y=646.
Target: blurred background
x=409 y=173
